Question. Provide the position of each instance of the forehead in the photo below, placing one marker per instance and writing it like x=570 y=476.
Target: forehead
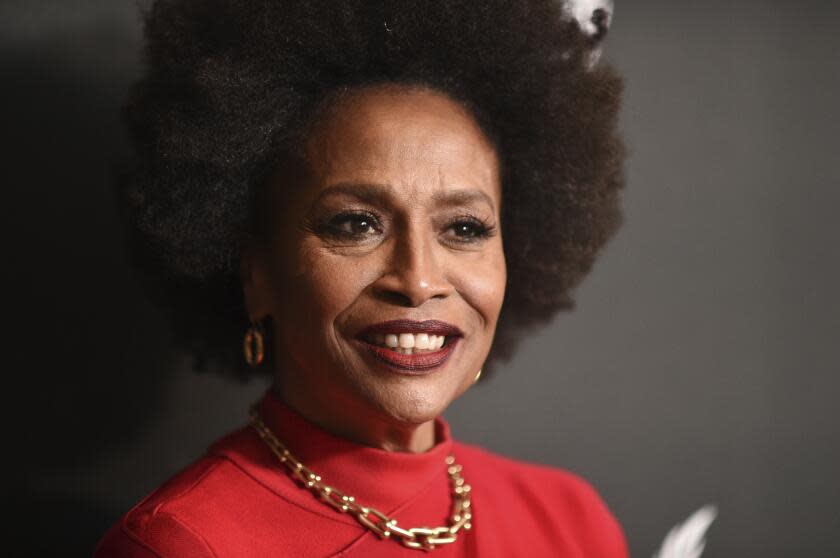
x=402 y=137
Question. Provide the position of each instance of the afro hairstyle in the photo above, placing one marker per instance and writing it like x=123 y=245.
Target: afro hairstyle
x=230 y=86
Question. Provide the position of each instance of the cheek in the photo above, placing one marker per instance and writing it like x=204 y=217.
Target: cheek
x=482 y=284
x=324 y=286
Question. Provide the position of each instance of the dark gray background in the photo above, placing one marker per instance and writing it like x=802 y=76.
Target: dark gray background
x=700 y=366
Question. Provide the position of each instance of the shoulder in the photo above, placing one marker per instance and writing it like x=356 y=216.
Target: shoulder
x=563 y=497
x=154 y=528
x=174 y=519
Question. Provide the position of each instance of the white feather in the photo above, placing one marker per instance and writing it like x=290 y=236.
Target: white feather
x=685 y=540
x=582 y=11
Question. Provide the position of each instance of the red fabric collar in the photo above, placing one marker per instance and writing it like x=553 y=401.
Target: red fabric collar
x=375 y=477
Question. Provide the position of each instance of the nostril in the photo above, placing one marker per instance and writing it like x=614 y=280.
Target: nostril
x=397 y=297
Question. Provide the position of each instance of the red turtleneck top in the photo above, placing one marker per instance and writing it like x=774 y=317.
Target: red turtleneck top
x=239 y=501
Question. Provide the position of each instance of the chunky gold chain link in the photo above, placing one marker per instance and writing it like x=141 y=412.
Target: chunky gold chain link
x=421 y=538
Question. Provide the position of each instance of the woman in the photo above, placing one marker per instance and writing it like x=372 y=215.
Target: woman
x=383 y=196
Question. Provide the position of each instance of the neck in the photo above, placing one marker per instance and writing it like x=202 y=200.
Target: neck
x=352 y=422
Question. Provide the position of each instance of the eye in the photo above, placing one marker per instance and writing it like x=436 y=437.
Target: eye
x=353 y=225
x=469 y=229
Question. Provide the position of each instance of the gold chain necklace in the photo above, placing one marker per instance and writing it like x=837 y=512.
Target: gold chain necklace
x=421 y=538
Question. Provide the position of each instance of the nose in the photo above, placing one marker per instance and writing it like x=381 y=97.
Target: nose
x=414 y=271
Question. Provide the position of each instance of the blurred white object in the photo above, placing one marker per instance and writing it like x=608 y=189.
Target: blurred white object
x=594 y=18
x=686 y=540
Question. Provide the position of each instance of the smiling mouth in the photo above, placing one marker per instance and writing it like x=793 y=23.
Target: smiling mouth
x=411 y=346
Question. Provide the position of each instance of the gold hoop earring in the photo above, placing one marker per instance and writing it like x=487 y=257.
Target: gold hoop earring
x=253 y=346
x=477 y=376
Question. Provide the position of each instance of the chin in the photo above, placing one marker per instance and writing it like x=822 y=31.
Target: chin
x=409 y=397
x=413 y=404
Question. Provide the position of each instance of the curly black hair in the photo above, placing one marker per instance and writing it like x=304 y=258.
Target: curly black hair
x=231 y=86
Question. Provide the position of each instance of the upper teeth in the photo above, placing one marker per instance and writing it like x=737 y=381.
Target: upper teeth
x=410 y=340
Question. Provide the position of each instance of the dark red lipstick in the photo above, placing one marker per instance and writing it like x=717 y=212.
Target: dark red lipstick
x=416 y=363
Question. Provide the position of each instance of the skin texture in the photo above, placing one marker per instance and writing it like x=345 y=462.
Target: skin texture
x=396 y=157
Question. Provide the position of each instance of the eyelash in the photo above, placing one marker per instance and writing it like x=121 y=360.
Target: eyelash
x=331 y=227
x=482 y=229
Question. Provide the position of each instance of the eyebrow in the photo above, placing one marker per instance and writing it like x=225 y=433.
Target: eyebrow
x=370 y=193
x=463 y=197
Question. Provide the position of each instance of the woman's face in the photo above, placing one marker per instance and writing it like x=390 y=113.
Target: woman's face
x=396 y=218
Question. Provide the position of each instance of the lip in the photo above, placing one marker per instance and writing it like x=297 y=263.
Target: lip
x=419 y=363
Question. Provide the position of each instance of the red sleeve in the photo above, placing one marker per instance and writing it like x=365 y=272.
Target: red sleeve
x=161 y=535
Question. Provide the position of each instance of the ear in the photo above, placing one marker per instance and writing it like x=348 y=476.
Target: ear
x=254 y=273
